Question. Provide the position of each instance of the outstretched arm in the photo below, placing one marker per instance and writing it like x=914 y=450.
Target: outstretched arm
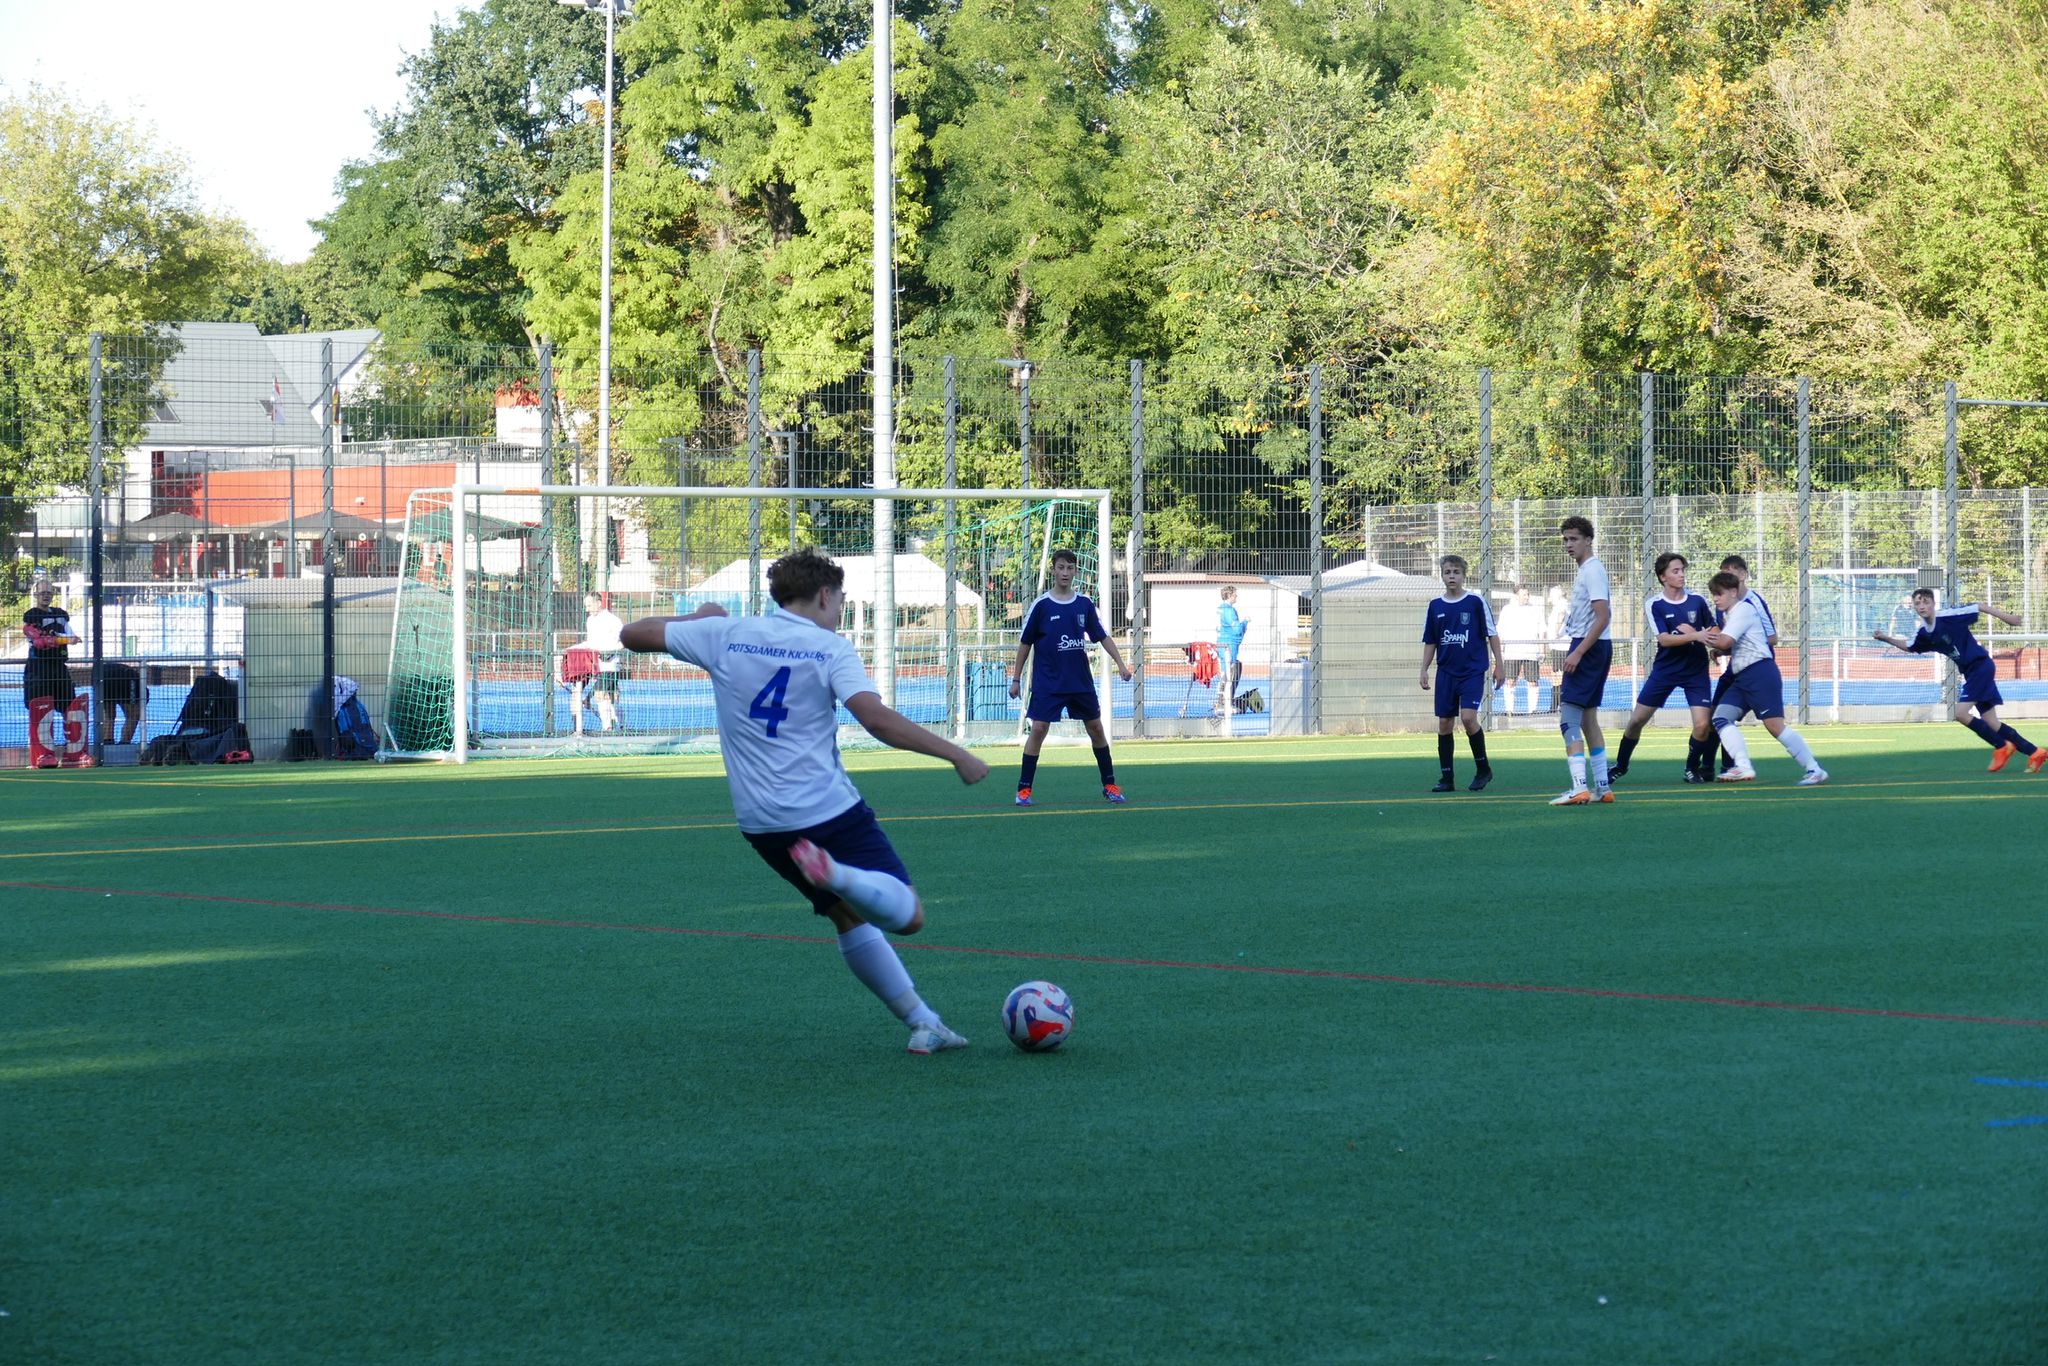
x=2007 y=617
x=898 y=731
x=1895 y=642
x=649 y=635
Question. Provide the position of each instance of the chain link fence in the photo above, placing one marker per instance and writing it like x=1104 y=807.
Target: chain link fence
x=208 y=499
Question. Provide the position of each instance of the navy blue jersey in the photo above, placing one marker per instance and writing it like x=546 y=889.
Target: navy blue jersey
x=1459 y=627
x=1058 y=634
x=1950 y=635
x=1666 y=616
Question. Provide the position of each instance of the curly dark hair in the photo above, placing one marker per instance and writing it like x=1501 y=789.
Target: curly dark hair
x=801 y=575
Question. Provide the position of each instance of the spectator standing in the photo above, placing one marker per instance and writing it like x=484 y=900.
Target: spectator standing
x=1521 y=637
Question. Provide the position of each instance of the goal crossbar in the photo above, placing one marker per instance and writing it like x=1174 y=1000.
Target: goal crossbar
x=460 y=494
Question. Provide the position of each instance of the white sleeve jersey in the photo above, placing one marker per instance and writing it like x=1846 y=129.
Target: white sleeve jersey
x=1752 y=641
x=778 y=681
x=1588 y=587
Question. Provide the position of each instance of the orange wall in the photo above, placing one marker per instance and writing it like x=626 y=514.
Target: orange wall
x=251 y=497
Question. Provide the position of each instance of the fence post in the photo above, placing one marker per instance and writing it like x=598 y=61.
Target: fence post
x=754 y=481
x=954 y=698
x=1648 y=508
x=330 y=414
x=1805 y=553
x=544 y=603
x=96 y=419
x=1313 y=722
x=2026 y=557
x=1486 y=514
x=1137 y=612
x=1950 y=587
x=1024 y=421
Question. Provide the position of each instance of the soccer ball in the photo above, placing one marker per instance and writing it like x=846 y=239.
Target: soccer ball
x=1038 y=1017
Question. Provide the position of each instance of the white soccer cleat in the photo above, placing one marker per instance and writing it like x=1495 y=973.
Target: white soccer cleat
x=1738 y=775
x=1576 y=797
x=933 y=1038
x=1814 y=777
x=814 y=863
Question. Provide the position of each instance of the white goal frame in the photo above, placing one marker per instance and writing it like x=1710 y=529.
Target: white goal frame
x=884 y=664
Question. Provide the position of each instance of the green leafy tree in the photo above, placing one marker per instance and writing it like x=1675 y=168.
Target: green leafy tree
x=1908 y=150
x=99 y=231
x=496 y=120
x=1589 y=181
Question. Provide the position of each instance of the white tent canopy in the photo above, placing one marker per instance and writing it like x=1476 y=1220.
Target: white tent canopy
x=919 y=582
x=1353 y=575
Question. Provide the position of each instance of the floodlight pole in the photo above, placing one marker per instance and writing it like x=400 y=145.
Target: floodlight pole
x=882 y=22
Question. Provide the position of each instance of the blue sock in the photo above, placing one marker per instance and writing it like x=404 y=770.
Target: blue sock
x=1027 y=772
x=1984 y=732
x=2008 y=736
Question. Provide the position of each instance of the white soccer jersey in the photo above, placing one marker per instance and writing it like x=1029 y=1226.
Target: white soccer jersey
x=1752 y=641
x=777 y=679
x=603 y=629
x=1588 y=588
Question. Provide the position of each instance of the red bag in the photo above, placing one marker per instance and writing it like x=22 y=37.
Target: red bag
x=578 y=665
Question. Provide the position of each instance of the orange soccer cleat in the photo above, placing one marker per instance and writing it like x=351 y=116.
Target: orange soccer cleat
x=2036 y=759
x=2002 y=756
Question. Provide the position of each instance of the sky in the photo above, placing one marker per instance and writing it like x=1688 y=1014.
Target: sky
x=265 y=101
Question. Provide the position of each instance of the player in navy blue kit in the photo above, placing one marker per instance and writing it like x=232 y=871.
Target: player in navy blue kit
x=1948 y=633
x=1057 y=630
x=1458 y=636
x=1676 y=618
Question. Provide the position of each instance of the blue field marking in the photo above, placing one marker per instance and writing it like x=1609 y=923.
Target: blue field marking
x=2008 y=1081
x=2025 y=1121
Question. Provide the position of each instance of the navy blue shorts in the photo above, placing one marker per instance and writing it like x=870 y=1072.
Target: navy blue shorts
x=1457 y=692
x=1980 y=684
x=1759 y=689
x=1583 y=686
x=1082 y=706
x=853 y=837
x=1659 y=686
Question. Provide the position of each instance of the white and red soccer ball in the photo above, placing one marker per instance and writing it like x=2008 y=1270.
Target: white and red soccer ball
x=1038 y=1017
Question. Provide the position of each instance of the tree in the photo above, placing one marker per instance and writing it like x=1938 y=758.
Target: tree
x=494 y=123
x=1589 y=181
x=100 y=230
x=1907 y=144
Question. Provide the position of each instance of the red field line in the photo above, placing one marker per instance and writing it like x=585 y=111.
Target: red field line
x=1106 y=960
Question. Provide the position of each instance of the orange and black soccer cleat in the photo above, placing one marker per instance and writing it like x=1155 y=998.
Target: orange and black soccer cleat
x=2002 y=756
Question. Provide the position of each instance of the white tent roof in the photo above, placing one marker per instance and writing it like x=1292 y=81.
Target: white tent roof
x=1343 y=576
x=919 y=582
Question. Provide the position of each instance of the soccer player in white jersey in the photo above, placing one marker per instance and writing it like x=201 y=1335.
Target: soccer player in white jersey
x=777 y=679
x=1739 y=567
x=1752 y=684
x=1585 y=669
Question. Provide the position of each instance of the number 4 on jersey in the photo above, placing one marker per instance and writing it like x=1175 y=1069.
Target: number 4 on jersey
x=768 y=702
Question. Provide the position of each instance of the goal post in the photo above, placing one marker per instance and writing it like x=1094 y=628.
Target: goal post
x=488 y=643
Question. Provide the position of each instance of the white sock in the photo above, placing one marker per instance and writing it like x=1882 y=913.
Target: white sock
x=1599 y=758
x=1577 y=763
x=1796 y=746
x=880 y=898
x=1737 y=747
x=871 y=958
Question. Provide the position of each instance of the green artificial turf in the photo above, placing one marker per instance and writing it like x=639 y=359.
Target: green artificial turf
x=533 y=1062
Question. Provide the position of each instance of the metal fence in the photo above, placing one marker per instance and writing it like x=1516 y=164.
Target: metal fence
x=236 y=502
